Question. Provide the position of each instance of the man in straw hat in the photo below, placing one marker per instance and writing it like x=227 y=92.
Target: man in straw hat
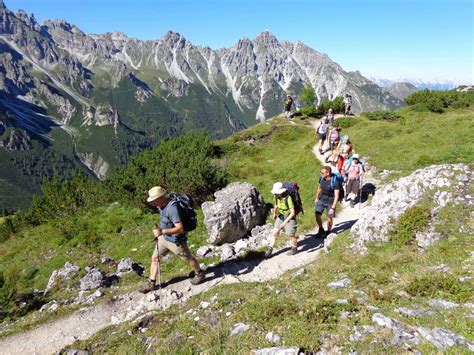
x=171 y=236
x=284 y=214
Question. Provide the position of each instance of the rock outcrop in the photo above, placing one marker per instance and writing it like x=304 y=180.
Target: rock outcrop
x=66 y=273
x=442 y=184
x=238 y=208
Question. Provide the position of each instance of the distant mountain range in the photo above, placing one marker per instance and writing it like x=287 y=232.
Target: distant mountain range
x=420 y=84
x=70 y=100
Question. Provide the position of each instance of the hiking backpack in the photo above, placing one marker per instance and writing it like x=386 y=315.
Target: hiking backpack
x=294 y=192
x=186 y=207
x=332 y=184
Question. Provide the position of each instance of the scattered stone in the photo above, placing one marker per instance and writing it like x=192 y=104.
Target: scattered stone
x=400 y=334
x=361 y=332
x=344 y=283
x=442 y=338
x=107 y=260
x=417 y=313
x=328 y=241
x=66 y=273
x=214 y=298
x=238 y=208
x=439 y=268
x=239 y=329
x=441 y=304
x=228 y=314
x=272 y=337
x=395 y=278
x=77 y=352
x=240 y=245
x=227 y=252
x=299 y=272
x=464 y=278
x=260 y=236
x=50 y=306
x=402 y=294
x=293 y=350
x=202 y=251
x=126 y=266
x=197 y=318
x=93 y=279
x=342 y=301
x=372 y=308
x=204 y=304
x=345 y=314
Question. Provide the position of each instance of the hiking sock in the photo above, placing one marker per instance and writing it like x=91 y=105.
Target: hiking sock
x=268 y=253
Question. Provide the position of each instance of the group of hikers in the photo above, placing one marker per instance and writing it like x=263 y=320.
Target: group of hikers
x=347 y=169
x=289 y=102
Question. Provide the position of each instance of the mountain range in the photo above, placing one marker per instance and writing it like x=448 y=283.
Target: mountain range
x=71 y=100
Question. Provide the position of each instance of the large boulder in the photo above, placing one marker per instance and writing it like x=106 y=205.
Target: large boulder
x=238 y=208
x=66 y=273
x=93 y=279
x=442 y=184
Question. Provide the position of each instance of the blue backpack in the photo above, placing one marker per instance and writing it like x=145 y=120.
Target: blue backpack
x=332 y=184
x=186 y=207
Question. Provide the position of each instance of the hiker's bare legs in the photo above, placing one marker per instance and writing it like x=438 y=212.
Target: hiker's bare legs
x=194 y=264
x=274 y=236
x=319 y=220
x=293 y=241
x=330 y=221
x=154 y=267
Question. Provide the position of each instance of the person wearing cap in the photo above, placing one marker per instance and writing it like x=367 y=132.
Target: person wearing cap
x=288 y=104
x=284 y=214
x=170 y=236
x=354 y=171
x=322 y=132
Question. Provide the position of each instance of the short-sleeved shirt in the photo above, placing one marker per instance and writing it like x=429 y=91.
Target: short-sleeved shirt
x=284 y=205
x=169 y=216
x=326 y=190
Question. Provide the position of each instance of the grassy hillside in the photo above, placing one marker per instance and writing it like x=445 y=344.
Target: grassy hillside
x=302 y=310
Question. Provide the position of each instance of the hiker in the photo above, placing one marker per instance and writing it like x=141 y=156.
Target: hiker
x=330 y=117
x=171 y=236
x=347 y=104
x=333 y=138
x=284 y=214
x=326 y=198
x=354 y=171
x=288 y=104
x=344 y=150
x=322 y=132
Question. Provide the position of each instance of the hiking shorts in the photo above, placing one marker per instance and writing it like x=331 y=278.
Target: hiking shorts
x=324 y=204
x=322 y=136
x=290 y=227
x=353 y=187
x=164 y=246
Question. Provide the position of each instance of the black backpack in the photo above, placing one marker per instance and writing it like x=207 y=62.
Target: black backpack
x=186 y=207
x=294 y=192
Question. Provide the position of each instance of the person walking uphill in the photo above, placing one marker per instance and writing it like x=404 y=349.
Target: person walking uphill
x=171 y=236
x=284 y=214
x=288 y=105
x=326 y=198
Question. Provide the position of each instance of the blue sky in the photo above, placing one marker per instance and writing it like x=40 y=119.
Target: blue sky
x=425 y=39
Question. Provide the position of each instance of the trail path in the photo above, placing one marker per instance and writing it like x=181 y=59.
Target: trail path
x=53 y=336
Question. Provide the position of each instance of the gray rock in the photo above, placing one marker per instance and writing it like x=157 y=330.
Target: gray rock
x=442 y=338
x=77 y=352
x=238 y=208
x=126 y=266
x=227 y=252
x=463 y=178
x=417 y=313
x=393 y=199
x=239 y=329
x=299 y=272
x=260 y=236
x=93 y=279
x=361 y=332
x=400 y=334
x=442 y=304
x=372 y=308
x=66 y=273
x=50 y=306
x=106 y=260
x=202 y=251
x=292 y=350
x=464 y=278
x=342 y=301
x=272 y=337
x=328 y=241
x=240 y=245
x=344 y=283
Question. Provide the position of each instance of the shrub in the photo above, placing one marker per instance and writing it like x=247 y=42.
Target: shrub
x=439 y=285
x=382 y=115
x=437 y=101
x=337 y=106
x=183 y=164
x=307 y=96
x=413 y=220
x=435 y=104
x=309 y=111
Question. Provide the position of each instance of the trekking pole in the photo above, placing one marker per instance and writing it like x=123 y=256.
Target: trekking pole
x=159 y=269
x=361 y=183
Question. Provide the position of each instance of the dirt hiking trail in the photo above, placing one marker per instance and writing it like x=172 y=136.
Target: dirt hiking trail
x=53 y=336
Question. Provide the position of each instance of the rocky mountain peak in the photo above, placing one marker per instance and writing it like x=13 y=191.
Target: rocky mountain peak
x=171 y=38
x=2 y=5
x=266 y=38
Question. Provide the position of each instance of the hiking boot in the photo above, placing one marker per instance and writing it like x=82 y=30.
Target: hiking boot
x=292 y=251
x=149 y=287
x=198 y=278
x=352 y=203
x=268 y=253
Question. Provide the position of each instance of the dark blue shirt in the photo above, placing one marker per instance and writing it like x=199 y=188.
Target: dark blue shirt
x=326 y=190
x=169 y=216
